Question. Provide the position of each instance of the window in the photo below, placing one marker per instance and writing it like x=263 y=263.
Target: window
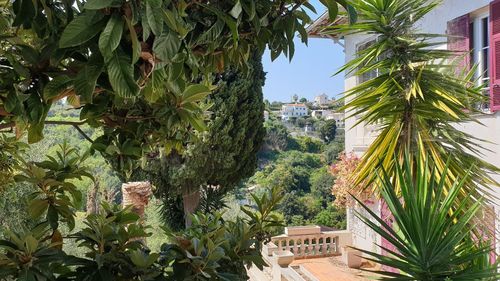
x=370 y=74
x=480 y=44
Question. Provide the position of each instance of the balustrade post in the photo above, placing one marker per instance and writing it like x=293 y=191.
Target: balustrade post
x=325 y=246
x=332 y=245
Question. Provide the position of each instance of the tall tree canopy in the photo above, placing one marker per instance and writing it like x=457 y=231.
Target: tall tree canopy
x=328 y=130
x=226 y=152
x=138 y=68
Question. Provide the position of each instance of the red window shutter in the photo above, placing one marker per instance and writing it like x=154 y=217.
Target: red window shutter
x=459 y=40
x=495 y=55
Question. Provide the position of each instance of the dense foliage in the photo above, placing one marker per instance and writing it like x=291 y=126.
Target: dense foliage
x=112 y=240
x=328 y=130
x=14 y=196
x=139 y=69
x=300 y=170
x=138 y=72
x=221 y=156
x=276 y=136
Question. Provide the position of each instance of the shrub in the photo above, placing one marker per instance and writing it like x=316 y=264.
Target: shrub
x=344 y=185
x=310 y=145
x=332 y=151
x=332 y=217
x=113 y=239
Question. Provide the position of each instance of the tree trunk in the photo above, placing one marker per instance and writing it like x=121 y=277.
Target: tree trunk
x=190 y=202
x=92 y=200
x=136 y=194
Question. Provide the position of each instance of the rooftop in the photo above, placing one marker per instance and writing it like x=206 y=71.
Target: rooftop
x=317 y=29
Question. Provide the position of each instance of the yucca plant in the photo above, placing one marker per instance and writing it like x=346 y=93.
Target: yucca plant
x=429 y=241
x=417 y=98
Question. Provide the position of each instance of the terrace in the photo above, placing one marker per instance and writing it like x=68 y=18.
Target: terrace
x=306 y=253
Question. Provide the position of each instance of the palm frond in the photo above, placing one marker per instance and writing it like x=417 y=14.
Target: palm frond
x=418 y=100
x=429 y=242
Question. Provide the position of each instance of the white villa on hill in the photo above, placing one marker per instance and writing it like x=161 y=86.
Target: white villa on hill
x=321 y=100
x=291 y=110
x=478 y=23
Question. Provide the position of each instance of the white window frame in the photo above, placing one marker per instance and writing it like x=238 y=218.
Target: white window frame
x=478 y=53
x=358 y=46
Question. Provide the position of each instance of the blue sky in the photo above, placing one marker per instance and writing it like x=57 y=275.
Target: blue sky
x=310 y=71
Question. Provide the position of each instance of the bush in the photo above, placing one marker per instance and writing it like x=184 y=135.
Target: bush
x=332 y=217
x=291 y=206
x=276 y=135
x=297 y=220
x=111 y=242
x=321 y=186
x=310 y=145
x=332 y=151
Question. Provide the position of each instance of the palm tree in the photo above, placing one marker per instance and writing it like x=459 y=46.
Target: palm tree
x=416 y=98
x=428 y=243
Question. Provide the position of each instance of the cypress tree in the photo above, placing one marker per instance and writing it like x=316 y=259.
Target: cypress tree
x=224 y=154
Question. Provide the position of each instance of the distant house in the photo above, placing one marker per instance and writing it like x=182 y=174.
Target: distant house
x=266 y=115
x=338 y=117
x=321 y=113
x=292 y=110
x=330 y=115
x=321 y=100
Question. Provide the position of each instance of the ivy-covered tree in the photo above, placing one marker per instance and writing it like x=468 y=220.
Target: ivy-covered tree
x=225 y=153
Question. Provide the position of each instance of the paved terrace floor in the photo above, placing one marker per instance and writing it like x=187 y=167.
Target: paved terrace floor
x=328 y=269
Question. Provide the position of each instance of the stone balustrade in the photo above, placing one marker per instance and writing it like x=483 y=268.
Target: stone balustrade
x=310 y=241
x=300 y=242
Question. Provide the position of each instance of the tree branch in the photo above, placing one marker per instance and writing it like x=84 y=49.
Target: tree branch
x=70 y=123
x=76 y=125
x=83 y=133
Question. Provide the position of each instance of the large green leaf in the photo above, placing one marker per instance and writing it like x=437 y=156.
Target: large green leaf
x=166 y=46
x=81 y=29
x=111 y=36
x=12 y=103
x=101 y=4
x=212 y=34
x=333 y=8
x=35 y=132
x=195 y=93
x=121 y=75
x=85 y=82
x=136 y=47
x=154 y=15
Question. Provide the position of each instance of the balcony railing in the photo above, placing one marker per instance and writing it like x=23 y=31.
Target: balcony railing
x=308 y=242
x=302 y=242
